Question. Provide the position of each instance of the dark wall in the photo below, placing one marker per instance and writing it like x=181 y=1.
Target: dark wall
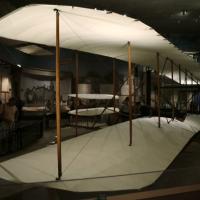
x=89 y=64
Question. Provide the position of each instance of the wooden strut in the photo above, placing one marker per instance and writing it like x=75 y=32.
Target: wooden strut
x=162 y=71
x=186 y=77
x=194 y=79
x=130 y=92
x=114 y=84
x=158 y=86
x=191 y=78
x=186 y=91
x=179 y=72
x=58 y=116
x=134 y=88
x=173 y=102
x=77 y=81
x=163 y=68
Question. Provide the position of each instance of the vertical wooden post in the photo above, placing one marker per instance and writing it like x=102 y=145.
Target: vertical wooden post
x=191 y=78
x=158 y=86
x=186 y=91
x=5 y=96
x=186 y=77
x=77 y=81
x=130 y=92
x=197 y=82
x=148 y=87
x=179 y=72
x=155 y=90
x=58 y=129
x=172 y=76
x=114 y=84
x=134 y=88
x=1 y=88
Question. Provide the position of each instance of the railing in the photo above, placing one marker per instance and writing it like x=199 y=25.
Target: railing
x=15 y=136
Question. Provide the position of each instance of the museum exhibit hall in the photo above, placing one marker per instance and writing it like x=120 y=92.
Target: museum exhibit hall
x=99 y=100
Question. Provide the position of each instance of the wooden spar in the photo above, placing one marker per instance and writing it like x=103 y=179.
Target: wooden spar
x=77 y=81
x=186 y=90
x=179 y=72
x=158 y=86
x=148 y=86
x=191 y=78
x=186 y=77
x=1 y=78
x=155 y=91
x=58 y=129
x=172 y=76
x=114 y=84
x=130 y=92
x=134 y=88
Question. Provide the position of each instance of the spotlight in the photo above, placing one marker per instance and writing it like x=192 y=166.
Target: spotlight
x=18 y=65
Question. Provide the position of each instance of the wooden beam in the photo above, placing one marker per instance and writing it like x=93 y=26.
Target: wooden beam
x=1 y=78
x=130 y=92
x=179 y=72
x=191 y=78
x=172 y=76
x=158 y=86
x=186 y=91
x=77 y=81
x=58 y=116
x=134 y=87
x=186 y=77
x=148 y=87
x=114 y=83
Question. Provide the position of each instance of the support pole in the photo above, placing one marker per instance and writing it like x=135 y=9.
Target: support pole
x=186 y=91
x=58 y=129
x=179 y=72
x=158 y=86
x=130 y=92
x=114 y=84
x=191 y=78
x=134 y=88
x=148 y=87
x=186 y=77
x=77 y=81
x=172 y=76
x=1 y=79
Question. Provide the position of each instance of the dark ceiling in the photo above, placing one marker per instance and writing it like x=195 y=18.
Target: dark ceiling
x=177 y=20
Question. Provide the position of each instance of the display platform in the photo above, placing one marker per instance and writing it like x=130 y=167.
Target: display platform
x=103 y=161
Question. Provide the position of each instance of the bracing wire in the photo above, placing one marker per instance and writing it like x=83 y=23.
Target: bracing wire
x=98 y=18
x=85 y=45
x=73 y=31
